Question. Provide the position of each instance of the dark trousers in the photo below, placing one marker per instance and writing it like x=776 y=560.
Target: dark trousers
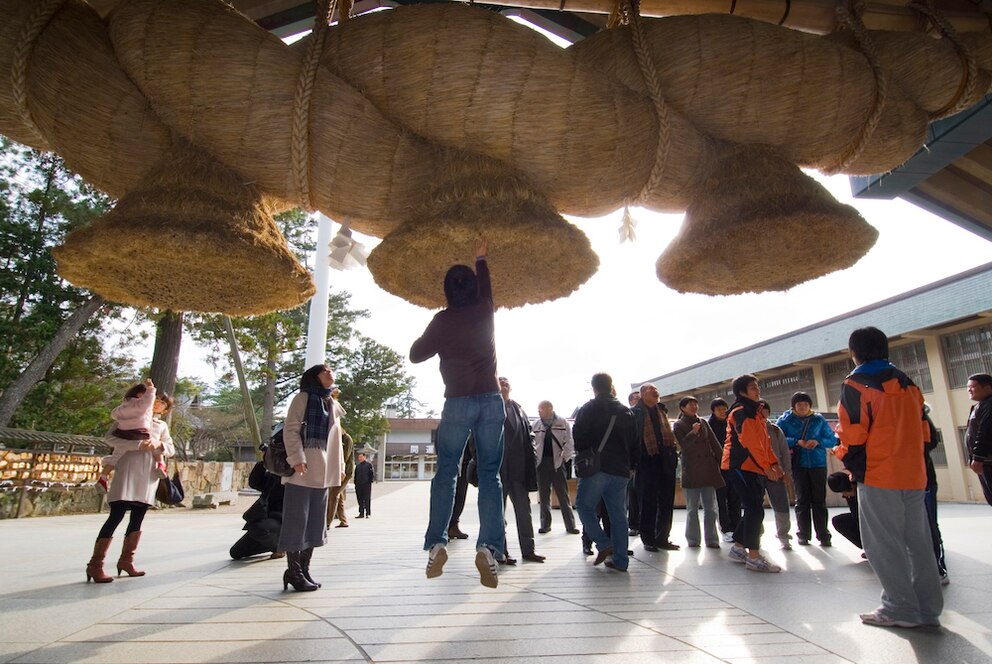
x=656 y=484
x=633 y=506
x=520 y=498
x=364 y=494
x=461 y=490
x=930 y=502
x=985 y=478
x=117 y=510
x=811 y=503
x=751 y=489
x=847 y=525
x=548 y=477
x=728 y=503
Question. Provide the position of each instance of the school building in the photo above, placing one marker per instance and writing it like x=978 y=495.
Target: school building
x=938 y=334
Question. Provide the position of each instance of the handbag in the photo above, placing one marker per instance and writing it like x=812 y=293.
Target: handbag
x=587 y=460
x=170 y=490
x=274 y=455
x=795 y=453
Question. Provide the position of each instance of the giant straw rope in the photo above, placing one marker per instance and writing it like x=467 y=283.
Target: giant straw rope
x=430 y=125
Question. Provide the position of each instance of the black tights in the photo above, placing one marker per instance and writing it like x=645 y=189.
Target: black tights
x=117 y=510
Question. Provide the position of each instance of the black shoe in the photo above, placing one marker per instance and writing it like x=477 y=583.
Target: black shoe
x=455 y=533
x=825 y=543
x=609 y=563
x=573 y=531
x=507 y=560
x=603 y=555
x=669 y=546
x=651 y=547
x=360 y=516
x=803 y=542
x=587 y=551
x=533 y=557
x=634 y=532
x=544 y=531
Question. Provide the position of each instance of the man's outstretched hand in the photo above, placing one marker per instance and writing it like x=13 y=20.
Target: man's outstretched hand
x=483 y=248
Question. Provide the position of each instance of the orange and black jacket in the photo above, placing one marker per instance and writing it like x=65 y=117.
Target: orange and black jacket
x=748 y=445
x=882 y=428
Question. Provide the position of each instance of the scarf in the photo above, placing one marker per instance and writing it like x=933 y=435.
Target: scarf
x=656 y=430
x=318 y=418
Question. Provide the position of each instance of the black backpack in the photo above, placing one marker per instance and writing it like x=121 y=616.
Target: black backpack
x=274 y=454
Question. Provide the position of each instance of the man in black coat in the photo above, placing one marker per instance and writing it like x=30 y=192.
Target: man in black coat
x=655 y=474
x=364 y=477
x=979 y=434
x=519 y=471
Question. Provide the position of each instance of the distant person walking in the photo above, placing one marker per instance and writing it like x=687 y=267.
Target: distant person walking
x=136 y=476
x=463 y=335
x=364 y=478
x=313 y=449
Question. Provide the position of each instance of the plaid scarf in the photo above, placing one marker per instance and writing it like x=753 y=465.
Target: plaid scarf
x=652 y=427
x=318 y=418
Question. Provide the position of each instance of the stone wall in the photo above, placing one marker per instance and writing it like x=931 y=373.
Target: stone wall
x=52 y=483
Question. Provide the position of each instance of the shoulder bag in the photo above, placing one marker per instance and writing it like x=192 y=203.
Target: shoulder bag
x=587 y=460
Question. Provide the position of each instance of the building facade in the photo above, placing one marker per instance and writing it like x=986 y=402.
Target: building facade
x=938 y=334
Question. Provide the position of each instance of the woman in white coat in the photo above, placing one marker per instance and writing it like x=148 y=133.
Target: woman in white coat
x=313 y=449
x=132 y=489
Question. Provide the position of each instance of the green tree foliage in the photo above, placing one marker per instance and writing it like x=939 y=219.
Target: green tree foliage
x=273 y=350
x=40 y=201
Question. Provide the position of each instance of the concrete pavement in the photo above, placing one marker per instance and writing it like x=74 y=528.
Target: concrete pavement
x=197 y=605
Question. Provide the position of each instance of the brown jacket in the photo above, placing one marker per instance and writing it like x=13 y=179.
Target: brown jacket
x=701 y=454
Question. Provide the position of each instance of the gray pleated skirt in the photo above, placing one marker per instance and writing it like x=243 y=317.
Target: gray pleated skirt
x=304 y=518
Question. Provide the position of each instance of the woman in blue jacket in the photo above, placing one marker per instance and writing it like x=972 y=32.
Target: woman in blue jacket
x=809 y=436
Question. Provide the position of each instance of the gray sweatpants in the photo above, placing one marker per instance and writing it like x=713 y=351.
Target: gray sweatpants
x=896 y=537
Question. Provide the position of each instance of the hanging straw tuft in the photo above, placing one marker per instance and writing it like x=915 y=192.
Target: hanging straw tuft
x=534 y=254
x=758 y=224
x=192 y=236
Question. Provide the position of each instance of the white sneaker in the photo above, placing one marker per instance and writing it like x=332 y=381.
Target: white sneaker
x=761 y=564
x=879 y=619
x=435 y=560
x=786 y=545
x=737 y=553
x=728 y=537
x=485 y=562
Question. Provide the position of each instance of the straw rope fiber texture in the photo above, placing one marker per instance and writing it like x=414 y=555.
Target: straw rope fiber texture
x=226 y=85
x=534 y=253
x=82 y=102
x=192 y=236
x=760 y=224
x=747 y=81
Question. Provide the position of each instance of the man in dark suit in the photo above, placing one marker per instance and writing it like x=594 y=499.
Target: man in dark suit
x=519 y=471
x=364 y=477
x=655 y=475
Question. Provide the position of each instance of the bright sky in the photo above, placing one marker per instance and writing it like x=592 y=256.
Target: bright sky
x=550 y=351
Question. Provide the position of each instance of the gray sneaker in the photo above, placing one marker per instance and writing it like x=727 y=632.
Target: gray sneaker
x=435 y=560
x=761 y=564
x=738 y=554
x=485 y=562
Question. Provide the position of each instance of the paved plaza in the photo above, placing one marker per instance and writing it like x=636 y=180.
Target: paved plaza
x=690 y=606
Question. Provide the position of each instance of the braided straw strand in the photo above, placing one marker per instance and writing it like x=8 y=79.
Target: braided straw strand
x=852 y=21
x=300 y=141
x=969 y=74
x=650 y=74
x=44 y=11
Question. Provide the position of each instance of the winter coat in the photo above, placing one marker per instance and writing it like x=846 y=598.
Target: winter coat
x=561 y=444
x=324 y=467
x=748 y=445
x=620 y=453
x=519 y=462
x=701 y=454
x=134 y=478
x=792 y=426
x=780 y=446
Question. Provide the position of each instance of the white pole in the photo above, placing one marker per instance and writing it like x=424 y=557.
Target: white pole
x=317 y=325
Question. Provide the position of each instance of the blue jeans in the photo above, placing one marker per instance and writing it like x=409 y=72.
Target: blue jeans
x=613 y=491
x=482 y=415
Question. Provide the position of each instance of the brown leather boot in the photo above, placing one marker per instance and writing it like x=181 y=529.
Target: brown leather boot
x=94 y=568
x=126 y=562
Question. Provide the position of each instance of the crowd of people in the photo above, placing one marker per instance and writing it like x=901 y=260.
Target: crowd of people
x=626 y=457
